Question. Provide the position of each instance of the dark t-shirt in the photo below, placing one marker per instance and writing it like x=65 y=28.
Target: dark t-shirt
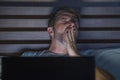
x=44 y=53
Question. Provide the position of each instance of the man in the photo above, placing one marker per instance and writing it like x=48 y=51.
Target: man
x=63 y=29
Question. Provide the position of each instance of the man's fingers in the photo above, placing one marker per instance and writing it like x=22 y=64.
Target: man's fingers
x=70 y=35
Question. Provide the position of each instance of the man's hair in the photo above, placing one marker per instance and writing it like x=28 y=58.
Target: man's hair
x=58 y=12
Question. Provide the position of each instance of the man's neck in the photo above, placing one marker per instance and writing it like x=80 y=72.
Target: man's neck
x=58 y=47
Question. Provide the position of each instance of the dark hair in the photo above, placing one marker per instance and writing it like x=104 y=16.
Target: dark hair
x=56 y=13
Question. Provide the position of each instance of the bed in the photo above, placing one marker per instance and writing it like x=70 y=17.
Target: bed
x=23 y=26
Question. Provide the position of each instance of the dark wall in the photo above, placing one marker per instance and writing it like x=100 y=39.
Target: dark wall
x=23 y=25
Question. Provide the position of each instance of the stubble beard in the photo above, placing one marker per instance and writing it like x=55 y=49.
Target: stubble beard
x=60 y=38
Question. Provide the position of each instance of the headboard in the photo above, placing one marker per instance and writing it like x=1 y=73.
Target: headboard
x=23 y=24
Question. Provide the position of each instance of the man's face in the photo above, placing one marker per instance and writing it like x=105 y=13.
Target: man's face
x=64 y=22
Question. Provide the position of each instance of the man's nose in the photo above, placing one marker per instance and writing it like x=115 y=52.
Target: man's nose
x=72 y=24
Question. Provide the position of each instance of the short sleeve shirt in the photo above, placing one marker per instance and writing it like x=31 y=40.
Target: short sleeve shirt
x=44 y=53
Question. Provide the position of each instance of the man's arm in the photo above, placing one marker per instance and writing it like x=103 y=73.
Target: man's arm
x=100 y=74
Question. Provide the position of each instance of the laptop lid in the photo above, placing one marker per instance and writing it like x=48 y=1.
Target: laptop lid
x=48 y=68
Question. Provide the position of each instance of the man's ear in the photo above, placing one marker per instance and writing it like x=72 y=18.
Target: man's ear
x=50 y=31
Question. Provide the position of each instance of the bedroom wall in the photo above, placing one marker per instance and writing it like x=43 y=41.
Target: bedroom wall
x=23 y=24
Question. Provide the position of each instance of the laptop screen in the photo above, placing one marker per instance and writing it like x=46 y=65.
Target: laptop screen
x=48 y=68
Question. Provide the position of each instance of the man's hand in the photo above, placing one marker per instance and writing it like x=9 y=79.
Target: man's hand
x=71 y=43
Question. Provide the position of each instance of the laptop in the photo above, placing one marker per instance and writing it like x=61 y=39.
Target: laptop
x=48 y=68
